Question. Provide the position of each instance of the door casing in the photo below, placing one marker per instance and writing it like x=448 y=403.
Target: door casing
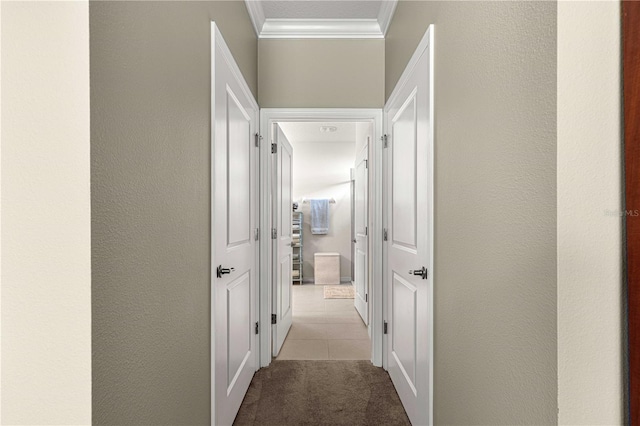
x=269 y=116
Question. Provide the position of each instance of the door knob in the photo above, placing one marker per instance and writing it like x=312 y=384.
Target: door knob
x=420 y=272
x=220 y=271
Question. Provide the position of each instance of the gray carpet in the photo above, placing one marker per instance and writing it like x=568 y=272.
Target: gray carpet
x=321 y=393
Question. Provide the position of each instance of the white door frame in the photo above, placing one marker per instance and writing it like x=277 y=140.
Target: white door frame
x=426 y=46
x=268 y=116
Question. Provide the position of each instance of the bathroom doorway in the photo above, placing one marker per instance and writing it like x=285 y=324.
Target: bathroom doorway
x=321 y=181
x=321 y=197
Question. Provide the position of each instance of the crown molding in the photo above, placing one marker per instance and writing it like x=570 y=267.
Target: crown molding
x=387 y=9
x=321 y=28
x=256 y=13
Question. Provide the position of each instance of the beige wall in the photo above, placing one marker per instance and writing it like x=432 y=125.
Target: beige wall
x=495 y=205
x=150 y=159
x=323 y=170
x=46 y=246
x=1 y=102
x=590 y=291
x=321 y=73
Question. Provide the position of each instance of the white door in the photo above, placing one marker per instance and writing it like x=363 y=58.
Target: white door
x=409 y=216
x=233 y=222
x=283 y=213
x=361 y=299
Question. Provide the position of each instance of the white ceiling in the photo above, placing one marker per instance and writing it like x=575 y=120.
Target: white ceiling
x=328 y=9
x=310 y=132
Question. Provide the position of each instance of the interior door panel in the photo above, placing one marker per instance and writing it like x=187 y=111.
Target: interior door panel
x=283 y=249
x=361 y=279
x=409 y=222
x=233 y=220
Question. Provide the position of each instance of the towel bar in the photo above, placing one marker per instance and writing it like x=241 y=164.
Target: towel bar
x=306 y=201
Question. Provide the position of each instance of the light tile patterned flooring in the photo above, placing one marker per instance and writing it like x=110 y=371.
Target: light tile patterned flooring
x=324 y=329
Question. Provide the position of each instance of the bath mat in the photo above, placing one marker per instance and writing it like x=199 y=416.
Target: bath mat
x=339 y=292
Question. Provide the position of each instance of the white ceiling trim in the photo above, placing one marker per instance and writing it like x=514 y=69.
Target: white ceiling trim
x=387 y=9
x=321 y=28
x=256 y=13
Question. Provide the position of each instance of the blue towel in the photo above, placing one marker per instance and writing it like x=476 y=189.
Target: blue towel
x=320 y=217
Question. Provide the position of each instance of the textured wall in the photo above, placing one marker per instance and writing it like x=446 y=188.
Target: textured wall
x=46 y=240
x=495 y=205
x=323 y=170
x=590 y=291
x=150 y=182
x=321 y=73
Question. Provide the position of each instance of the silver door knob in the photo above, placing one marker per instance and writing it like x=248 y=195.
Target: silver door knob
x=220 y=271
x=422 y=272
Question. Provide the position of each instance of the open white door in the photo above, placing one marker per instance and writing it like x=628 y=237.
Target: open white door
x=233 y=221
x=283 y=213
x=361 y=299
x=408 y=119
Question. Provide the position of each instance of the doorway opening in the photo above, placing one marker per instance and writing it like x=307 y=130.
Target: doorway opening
x=321 y=194
x=321 y=292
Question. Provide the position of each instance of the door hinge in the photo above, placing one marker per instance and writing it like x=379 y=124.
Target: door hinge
x=274 y=148
x=274 y=233
x=366 y=231
x=366 y=164
x=385 y=141
x=257 y=328
x=366 y=298
x=384 y=328
x=257 y=234
x=274 y=319
x=384 y=235
x=258 y=139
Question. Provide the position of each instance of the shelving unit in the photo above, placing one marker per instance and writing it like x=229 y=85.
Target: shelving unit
x=296 y=243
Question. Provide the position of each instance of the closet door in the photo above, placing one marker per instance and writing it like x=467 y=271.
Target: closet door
x=409 y=215
x=234 y=276
x=283 y=214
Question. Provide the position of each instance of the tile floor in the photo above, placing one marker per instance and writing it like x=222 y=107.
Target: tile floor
x=324 y=329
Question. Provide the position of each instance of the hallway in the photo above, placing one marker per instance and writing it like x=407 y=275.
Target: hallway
x=139 y=228
x=321 y=392
x=323 y=374
x=324 y=329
